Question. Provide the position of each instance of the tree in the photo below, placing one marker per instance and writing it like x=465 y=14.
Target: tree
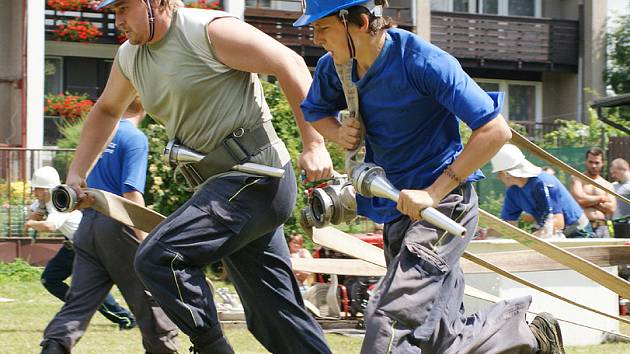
x=617 y=74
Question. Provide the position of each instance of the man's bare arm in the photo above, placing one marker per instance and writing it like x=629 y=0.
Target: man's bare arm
x=231 y=38
x=585 y=200
x=481 y=147
x=609 y=205
x=138 y=198
x=100 y=125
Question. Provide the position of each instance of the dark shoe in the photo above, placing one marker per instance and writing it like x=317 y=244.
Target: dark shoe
x=52 y=347
x=127 y=324
x=547 y=332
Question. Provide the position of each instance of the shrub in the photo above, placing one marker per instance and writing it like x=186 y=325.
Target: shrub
x=19 y=270
x=576 y=134
x=161 y=194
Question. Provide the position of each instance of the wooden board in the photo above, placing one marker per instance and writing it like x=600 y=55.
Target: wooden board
x=124 y=210
x=353 y=267
x=586 y=268
x=513 y=261
x=532 y=261
x=342 y=242
x=339 y=241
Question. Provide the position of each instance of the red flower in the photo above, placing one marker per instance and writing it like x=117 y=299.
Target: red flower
x=76 y=30
x=205 y=4
x=67 y=106
x=71 y=5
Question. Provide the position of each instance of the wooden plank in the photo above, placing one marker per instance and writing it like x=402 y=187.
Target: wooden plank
x=339 y=241
x=350 y=245
x=513 y=261
x=339 y=266
x=532 y=261
x=495 y=268
x=586 y=268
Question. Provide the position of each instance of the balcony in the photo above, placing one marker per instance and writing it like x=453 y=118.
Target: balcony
x=104 y=21
x=478 y=41
x=276 y=19
x=510 y=43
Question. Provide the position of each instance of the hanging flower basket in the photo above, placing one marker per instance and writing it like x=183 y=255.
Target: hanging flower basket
x=69 y=107
x=71 y=5
x=76 y=31
x=205 y=4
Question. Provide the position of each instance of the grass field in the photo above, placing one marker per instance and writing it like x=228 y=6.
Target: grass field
x=23 y=320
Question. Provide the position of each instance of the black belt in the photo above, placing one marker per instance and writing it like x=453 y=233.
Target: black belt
x=239 y=147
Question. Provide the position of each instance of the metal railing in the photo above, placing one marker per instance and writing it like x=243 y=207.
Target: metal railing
x=535 y=131
x=104 y=21
x=549 y=43
x=16 y=168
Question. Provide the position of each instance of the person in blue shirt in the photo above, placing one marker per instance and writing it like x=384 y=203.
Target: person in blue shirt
x=105 y=250
x=411 y=98
x=540 y=195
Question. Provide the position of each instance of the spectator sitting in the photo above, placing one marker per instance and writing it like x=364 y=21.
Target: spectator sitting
x=598 y=205
x=539 y=194
x=296 y=247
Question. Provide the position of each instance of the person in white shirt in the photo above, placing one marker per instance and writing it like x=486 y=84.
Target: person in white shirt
x=45 y=218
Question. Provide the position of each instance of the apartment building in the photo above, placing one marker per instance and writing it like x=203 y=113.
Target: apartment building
x=548 y=56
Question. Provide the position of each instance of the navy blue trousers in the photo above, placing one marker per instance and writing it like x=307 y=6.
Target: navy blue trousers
x=238 y=219
x=59 y=268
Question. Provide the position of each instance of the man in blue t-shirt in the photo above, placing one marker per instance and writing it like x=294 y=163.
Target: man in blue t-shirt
x=105 y=249
x=538 y=194
x=411 y=99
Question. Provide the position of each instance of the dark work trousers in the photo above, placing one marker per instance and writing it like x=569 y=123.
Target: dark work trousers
x=59 y=268
x=104 y=256
x=239 y=219
x=418 y=307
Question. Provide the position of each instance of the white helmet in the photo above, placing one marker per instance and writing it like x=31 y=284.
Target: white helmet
x=507 y=157
x=510 y=159
x=45 y=177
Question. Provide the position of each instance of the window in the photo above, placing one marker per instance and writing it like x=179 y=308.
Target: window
x=286 y=5
x=522 y=7
x=523 y=99
x=531 y=8
x=258 y=3
x=53 y=74
x=454 y=5
x=53 y=83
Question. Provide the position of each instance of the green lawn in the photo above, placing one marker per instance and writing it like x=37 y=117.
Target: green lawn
x=23 y=321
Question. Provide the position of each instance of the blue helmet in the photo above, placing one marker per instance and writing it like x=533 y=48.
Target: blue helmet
x=316 y=9
x=105 y=3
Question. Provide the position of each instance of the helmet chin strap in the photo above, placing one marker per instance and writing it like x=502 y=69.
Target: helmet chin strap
x=151 y=20
x=343 y=16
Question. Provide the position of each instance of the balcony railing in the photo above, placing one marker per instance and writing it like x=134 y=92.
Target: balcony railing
x=104 y=21
x=276 y=17
x=536 y=130
x=503 y=42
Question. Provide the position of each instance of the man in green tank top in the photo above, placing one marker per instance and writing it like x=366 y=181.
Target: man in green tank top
x=195 y=71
